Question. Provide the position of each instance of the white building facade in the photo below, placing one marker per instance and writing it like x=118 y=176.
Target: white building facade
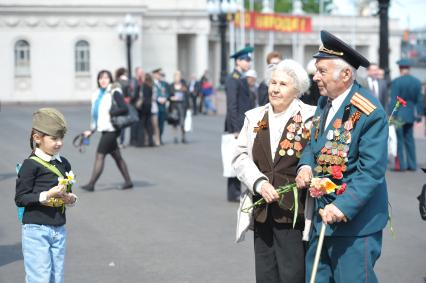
x=52 y=50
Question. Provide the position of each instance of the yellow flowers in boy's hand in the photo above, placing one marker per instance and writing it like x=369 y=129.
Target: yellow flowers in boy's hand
x=55 y=202
x=66 y=185
x=68 y=181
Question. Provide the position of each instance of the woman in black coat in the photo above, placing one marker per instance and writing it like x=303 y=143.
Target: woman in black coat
x=179 y=103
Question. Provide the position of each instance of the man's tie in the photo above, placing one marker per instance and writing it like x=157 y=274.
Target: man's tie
x=325 y=114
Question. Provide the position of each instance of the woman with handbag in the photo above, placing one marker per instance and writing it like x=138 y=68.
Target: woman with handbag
x=107 y=95
x=178 y=106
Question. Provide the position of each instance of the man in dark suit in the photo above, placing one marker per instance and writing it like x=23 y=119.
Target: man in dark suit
x=378 y=87
x=349 y=136
x=238 y=101
x=410 y=89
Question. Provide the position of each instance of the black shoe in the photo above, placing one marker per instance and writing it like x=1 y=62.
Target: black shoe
x=126 y=186
x=88 y=187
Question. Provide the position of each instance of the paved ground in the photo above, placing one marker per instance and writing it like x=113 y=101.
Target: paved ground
x=176 y=225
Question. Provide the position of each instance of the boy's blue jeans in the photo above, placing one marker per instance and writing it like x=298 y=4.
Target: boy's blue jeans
x=44 y=253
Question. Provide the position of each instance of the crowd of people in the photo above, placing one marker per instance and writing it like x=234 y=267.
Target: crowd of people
x=156 y=103
x=159 y=102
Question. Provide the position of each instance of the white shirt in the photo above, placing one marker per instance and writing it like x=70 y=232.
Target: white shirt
x=277 y=122
x=46 y=157
x=104 y=119
x=372 y=82
x=335 y=105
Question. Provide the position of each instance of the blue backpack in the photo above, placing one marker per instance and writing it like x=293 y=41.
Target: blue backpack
x=21 y=210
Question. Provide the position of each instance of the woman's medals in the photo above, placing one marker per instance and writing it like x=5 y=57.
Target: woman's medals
x=296 y=131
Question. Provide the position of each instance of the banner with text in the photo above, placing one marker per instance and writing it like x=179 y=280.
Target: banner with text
x=275 y=22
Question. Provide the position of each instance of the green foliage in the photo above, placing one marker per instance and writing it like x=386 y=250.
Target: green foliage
x=286 y=6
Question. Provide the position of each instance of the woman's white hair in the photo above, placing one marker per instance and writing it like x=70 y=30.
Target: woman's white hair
x=294 y=70
x=341 y=64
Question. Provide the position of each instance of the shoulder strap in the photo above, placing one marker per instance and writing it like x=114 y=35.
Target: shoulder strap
x=48 y=166
x=362 y=103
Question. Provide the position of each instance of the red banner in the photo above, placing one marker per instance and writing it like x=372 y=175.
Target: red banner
x=275 y=22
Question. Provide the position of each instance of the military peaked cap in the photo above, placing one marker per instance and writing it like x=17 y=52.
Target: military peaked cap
x=404 y=62
x=243 y=54
x=333 y=47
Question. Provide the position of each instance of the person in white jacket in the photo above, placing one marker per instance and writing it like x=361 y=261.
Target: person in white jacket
x=268 y=151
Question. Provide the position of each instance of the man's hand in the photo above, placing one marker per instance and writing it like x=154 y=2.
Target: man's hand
x=269 y=193
x=331 y=214
x=303 y=179
x=162 y=100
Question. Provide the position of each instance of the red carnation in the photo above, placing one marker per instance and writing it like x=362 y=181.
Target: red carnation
x=341 y=190
x=401 y=101
x=336 y=172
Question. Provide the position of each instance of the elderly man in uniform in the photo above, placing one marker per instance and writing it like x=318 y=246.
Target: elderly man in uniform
x=408 y=88
x=349 y=135
x=238 y=101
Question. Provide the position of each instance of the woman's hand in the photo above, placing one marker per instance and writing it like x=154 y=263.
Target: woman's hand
x=56 y=192
x=87 y=133
x=269 y=193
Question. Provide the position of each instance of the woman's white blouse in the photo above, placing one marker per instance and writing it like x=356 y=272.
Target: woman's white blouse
x=277 y=122
x=104 y=119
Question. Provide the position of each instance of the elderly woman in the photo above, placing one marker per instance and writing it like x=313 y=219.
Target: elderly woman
x=269 y=147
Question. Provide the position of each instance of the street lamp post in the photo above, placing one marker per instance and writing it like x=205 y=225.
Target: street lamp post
x=218 y=11
x=268 y=7
x=384 y=38
x=129 y=32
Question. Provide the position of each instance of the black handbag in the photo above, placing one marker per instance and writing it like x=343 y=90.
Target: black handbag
x=124 y=121
x=173 y=115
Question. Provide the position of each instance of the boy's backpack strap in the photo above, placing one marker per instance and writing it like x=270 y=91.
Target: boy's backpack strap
x=48 y=166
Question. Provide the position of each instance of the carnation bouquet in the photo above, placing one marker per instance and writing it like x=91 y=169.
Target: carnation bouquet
x=320 y=186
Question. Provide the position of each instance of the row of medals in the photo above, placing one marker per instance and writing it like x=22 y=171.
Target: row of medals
x=295 y=132
x=335 y=150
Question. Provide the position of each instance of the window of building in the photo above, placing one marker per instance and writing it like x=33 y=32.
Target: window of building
x=82 y=57
x=22 y=58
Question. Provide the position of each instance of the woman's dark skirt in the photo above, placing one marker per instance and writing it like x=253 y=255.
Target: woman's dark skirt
x=108 y=142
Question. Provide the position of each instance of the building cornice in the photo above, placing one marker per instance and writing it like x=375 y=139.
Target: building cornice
x=80 y=9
